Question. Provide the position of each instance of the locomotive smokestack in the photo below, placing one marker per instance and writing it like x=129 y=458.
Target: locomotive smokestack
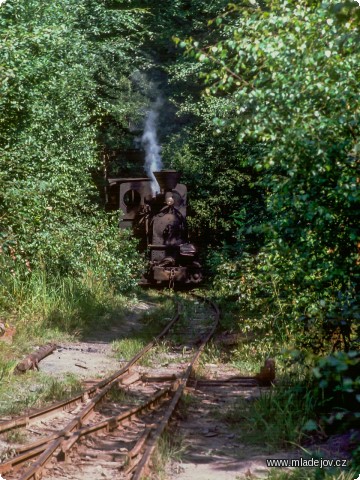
x=167 y=179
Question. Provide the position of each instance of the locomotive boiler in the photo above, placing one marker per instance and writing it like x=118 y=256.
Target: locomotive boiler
x=159 y=221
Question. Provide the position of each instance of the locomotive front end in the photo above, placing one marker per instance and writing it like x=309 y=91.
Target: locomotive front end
x=159 y=221
x=172 y=257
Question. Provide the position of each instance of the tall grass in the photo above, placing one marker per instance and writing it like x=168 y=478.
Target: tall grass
x=46 y=308
x=34 y=390
x=275 y=419
x=170 y=447
x=41 y=306
x=125 y=348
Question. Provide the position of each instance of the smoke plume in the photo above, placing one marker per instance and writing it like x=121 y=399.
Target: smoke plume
x=149 y=142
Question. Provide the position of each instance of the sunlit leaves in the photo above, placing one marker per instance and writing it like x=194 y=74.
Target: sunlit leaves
x=52 y=104
x=289 y=72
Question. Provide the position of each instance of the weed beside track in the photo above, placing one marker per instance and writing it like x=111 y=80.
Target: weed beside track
x=127 y=384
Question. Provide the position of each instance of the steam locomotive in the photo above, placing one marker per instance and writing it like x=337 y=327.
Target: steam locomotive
x=159 y=221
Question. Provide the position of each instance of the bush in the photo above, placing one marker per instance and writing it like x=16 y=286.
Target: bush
x=338 y=387
x=52 y=109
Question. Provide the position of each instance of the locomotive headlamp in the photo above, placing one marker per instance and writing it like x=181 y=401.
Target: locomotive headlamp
x=170 y=201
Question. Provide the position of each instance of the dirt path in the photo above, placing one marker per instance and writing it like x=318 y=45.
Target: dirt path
x=211 y=449
x=93 y=357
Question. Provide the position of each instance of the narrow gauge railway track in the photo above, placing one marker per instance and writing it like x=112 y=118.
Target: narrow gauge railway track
x=142 y=424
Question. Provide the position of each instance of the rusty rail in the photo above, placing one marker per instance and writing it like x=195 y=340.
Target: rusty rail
x=141 y=469
x=47 y=446
x=25 y=420
x=64 y=440
x=112 y=422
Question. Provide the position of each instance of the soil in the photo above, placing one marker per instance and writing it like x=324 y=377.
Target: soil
x=93 y=357
x=210 y=449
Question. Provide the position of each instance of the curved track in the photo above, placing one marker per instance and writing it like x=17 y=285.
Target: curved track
x=119 y=437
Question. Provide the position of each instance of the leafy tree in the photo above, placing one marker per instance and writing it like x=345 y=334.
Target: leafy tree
x=289 y=72
x=224 y=200
x=52 y=106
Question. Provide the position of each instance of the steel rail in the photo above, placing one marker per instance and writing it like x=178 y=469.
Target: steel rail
x=102 y=388
x=37 y=448
x=142 y=466
x=68 y=437
x=112 y=422
x=35 y=471
x=67 y=443
x=25 y=420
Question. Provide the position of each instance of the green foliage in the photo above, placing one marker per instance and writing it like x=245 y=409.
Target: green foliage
x=127 y=348
x=304 y=404
x=35 y=391
x=275 y=418
x=170 y=447
x=338 y=386
x=7 y=369
x=286 y=76
x=224 y=200
x=270 y=301
x=46 y=307
x=53 y=106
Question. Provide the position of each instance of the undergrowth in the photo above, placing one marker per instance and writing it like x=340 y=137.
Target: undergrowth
x=18 y=393
x=170 y=447
x=275 y=419
x=187 y=402
x=44 y=306
x=41 y=309
x=121 y=395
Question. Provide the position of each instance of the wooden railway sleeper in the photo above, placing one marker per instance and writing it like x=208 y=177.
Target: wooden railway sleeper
x=15 y=463
x=143 y=465
x=35 y=471
x=26 y=420
x=112 y=423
